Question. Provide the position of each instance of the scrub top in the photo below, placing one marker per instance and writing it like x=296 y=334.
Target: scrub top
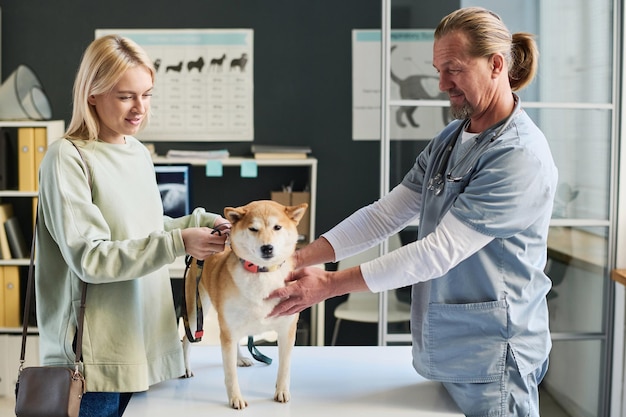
x=502 y=186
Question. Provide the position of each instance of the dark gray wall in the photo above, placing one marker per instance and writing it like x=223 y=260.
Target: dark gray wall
x=302 y=80
x=302 y=87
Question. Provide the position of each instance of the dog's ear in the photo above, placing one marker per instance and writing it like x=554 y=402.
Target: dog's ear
x=295 y=213
x=234 y=214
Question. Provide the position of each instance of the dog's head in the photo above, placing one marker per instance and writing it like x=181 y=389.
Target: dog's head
x=264 y=232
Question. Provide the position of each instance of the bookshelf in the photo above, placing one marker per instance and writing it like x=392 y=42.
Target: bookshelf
x=13 y=271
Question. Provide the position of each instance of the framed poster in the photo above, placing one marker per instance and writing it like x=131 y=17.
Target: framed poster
x=204 y=83
x=412 y=78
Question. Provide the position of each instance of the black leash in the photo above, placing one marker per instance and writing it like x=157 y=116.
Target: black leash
x=193 y=338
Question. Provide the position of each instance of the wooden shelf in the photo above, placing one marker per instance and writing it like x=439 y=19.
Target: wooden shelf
x=619 y=275
x=15 y=261
x=236 y=161
x=18 y=330
x=16 y=193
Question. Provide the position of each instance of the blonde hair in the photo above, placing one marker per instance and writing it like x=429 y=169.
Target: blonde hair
x=488 y=35
x=103 y=64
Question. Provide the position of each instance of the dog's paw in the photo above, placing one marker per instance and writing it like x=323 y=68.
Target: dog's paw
x=188 y=374
x=238 y=403
x=244 y=362
x=282 y=396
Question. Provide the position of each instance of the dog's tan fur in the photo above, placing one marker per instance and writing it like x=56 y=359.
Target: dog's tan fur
x=263 y=233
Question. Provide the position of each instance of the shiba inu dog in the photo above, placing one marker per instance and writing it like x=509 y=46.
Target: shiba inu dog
x=236 y=282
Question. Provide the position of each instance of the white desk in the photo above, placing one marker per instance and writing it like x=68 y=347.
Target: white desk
x=325 y=382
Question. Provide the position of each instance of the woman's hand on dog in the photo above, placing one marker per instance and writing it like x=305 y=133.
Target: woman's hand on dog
x=221 y=225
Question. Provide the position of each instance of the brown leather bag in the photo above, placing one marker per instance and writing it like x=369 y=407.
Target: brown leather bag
x=50 y=391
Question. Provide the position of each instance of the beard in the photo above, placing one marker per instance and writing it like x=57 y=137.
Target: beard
x=462 y=112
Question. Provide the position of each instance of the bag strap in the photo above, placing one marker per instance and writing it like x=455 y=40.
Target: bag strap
x=30 y=289
x=29 y=296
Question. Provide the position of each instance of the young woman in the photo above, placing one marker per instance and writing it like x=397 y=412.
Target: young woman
x=100 y=220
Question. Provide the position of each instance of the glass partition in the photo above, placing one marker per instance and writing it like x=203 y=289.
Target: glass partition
x=573 y=101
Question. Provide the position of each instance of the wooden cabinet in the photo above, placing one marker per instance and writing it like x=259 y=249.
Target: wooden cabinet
x=177 y=269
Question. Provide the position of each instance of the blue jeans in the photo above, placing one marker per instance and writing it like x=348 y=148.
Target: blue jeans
x=104 y=404
x=512 y=395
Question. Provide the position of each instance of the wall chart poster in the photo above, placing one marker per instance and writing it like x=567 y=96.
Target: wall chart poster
x=412 y=78
x=204 y=83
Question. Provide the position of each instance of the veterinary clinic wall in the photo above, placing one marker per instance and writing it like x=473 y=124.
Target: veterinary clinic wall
x=302 y=81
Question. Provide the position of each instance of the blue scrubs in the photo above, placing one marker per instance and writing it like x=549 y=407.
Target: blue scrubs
x=493 y=304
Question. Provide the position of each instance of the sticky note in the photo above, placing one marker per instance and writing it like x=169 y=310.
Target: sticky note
x=249 y=169
x=214 y=168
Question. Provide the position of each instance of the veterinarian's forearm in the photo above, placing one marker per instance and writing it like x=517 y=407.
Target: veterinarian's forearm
x=347 y=281
x=316 y=253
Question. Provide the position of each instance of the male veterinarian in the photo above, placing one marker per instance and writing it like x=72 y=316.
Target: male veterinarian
x=483 y=190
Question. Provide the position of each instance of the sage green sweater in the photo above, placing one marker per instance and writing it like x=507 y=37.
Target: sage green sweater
x=113 y=235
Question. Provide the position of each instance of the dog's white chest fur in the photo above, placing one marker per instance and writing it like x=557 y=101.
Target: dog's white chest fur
x=249 y=310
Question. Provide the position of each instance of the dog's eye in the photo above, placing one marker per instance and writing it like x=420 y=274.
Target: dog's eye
x=253 y=229
x=278 y=227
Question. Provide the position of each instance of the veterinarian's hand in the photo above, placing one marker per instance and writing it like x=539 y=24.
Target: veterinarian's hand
x=200 y=242
x=308 y=286
x=305 y=287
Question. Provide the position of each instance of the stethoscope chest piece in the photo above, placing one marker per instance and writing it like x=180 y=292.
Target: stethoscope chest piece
x=435 y=184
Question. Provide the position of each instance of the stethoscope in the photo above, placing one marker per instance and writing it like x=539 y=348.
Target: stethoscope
x=436 y=183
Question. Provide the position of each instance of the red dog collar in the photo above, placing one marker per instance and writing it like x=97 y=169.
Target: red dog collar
x=251 y=267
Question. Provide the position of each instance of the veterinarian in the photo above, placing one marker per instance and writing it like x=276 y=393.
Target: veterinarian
x=483 y=190
x=101 y=221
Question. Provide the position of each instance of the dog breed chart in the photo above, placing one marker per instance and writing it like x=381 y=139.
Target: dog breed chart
x=204 y=83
